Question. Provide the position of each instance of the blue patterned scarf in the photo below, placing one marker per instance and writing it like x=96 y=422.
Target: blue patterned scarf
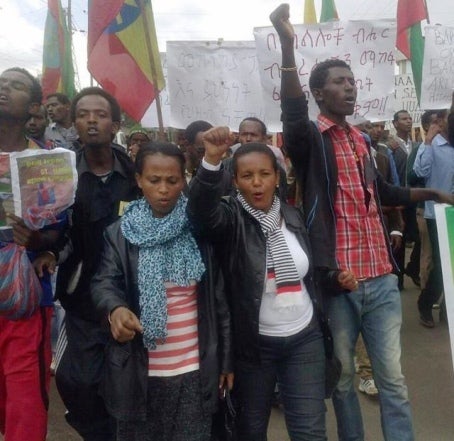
x=167 y=253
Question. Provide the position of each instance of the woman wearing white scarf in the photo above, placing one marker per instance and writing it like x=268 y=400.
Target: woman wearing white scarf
x=268 y=277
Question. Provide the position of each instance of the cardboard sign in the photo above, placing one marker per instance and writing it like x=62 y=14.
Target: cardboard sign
x=213 y=81
x=405 y=97
x=438 y=68
x=367 y=46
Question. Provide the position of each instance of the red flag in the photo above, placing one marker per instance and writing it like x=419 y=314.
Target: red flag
x=118 y=53
x=409 y=13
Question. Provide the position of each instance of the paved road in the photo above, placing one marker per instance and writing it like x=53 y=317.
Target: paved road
x=427 y=365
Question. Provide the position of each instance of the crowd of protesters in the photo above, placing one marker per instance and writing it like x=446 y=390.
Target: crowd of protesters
x=185 y=274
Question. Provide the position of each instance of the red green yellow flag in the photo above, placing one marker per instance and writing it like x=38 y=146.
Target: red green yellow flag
x=58 y=69
x=409 y=38
x=120 y=58
x=329 y=11
x=310 y=16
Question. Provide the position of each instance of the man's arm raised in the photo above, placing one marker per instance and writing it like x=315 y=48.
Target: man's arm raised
x=290 y=83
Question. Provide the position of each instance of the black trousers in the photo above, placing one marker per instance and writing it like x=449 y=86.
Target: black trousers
x=434 y=286
x=78 y=376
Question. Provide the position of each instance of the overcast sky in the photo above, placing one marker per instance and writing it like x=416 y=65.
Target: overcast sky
x=22 y=23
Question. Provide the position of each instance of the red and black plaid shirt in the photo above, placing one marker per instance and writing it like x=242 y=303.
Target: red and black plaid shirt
x=360 y=246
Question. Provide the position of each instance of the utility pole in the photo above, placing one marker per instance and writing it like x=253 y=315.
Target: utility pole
x=153 y=70
x=69 y=24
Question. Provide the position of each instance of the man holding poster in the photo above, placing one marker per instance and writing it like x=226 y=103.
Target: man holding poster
x=25 y=338
x=342 y=194
x=106 y=183
x=435 y=163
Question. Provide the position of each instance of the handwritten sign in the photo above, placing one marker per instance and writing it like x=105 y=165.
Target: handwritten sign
x=438 y=68
x=150 y=118
x=367 y=46
x=405 y=97
x=216 y=82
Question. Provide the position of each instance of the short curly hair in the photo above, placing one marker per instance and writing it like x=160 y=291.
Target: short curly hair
x=195 y=127
x=115 y=109
x=262 y=125
x=320 y=72
x=61 y=97
x=36 y=92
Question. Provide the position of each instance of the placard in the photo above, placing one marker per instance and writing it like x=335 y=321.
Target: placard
x=367 y=46
x=36 y=185
x=213 y=81
x=405 y=97
x=438 y=68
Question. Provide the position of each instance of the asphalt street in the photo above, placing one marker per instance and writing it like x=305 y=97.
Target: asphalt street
x=427 y=365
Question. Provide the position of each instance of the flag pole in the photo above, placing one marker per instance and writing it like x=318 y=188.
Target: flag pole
x=154 y=75
x=69 y=24
x=427 y=11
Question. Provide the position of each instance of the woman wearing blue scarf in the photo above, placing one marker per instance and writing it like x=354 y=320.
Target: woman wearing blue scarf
x=162 y=294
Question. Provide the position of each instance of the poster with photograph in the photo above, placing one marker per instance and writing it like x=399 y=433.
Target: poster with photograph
x=36 y=185
x=6 y=190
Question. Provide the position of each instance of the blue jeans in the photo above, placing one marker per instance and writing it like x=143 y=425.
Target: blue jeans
x=374 y=309
x=297 y=363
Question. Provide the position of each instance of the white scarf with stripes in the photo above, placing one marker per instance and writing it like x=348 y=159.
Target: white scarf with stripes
x=279 y=261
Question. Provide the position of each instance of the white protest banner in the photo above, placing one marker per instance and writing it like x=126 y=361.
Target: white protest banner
x=367 y=46
x=438 y=68
x=213 y=81
x=150 y=119
x=36 y=185
x=405 y=97
x=444 y=215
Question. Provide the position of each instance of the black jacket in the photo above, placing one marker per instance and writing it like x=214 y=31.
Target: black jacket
x=241 y=246
x=97 y=205
x=314 y=161
x=124 y=385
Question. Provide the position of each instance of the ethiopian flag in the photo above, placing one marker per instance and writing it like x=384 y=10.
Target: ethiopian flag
x=409 y=38
x=119 y=56
x=329 y=11
x=58 y=70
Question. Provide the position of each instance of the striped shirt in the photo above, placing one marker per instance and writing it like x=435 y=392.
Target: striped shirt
x=179 y=353
x=360 y=238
